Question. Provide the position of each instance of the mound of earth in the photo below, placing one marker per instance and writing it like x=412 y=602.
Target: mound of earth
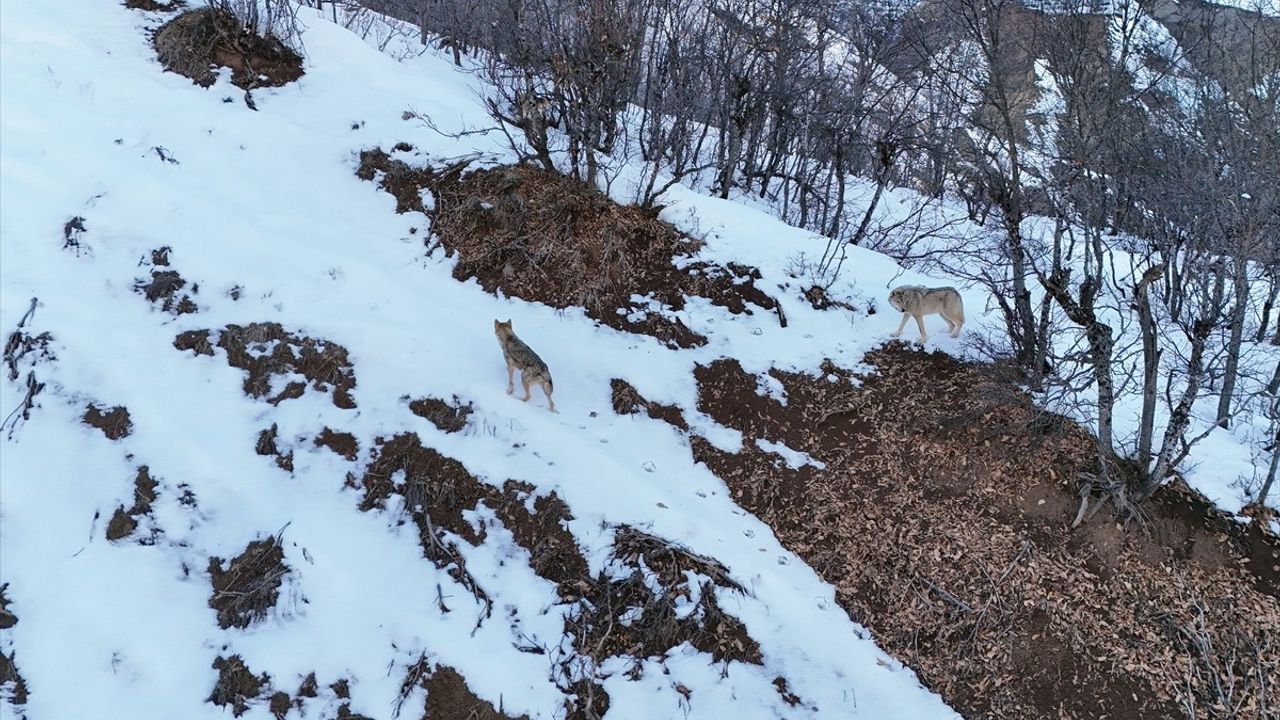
x=940 y=509
x=194 y=42
x=548 y=238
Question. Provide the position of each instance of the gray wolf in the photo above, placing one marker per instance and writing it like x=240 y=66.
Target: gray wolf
x=522 y=357
x=917 y=301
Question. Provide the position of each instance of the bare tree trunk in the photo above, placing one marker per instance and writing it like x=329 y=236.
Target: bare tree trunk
x=1240 y=282
x=1150 y=365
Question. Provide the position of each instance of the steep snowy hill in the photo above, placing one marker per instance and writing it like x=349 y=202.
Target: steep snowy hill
x=265 y=221
x=262 y=458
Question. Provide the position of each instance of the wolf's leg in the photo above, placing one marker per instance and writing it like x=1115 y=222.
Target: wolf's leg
x=920 y=324
x=901 y=325
x=525 y=380
x=959 y=322
x=546 y=389
x=511 y=381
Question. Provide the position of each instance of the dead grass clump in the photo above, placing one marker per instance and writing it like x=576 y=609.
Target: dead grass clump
x=195 y=41
x=154 y=6
x=635 y=609
x=942 y=518
x=236 y=685
x=397 y=178
x=266 y=445
x=13 y=688
x=436 y=490
x=449 y=698
x=114 y=423
x=269 y=353
x=650 y=626
x=628 y=401
x=20 y=345
x=449 y=417
x=7 y=618
x=553 y=552
x=124 y=522
x=551 y=239
x=163 y=288
x=342 y=443
x=197 y=341
x=249 y=587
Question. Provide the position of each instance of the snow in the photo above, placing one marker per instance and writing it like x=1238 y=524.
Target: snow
x=268 y=202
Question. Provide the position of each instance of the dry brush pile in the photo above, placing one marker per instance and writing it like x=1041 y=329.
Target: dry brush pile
x=942 y=518
x=548 y=238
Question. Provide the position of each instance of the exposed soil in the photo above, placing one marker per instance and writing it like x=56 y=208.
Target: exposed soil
x=267 y=352
x=544 y=237
x=942 y=518
x=236 y=685
x=267 y=446
x=114 y=422
x=436 y=492
x=449 y=698
x=13 y=688
x=450 y=417
x=193 y=42
x=164 y=288
x=153 y=6
x=628 y=401
x=655 y=629
x=249 y=587
x=125 y=522
x=7 y=618
x=342 y=443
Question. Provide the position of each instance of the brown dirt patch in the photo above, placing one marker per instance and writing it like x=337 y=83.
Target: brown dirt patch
x=236 y=685
x=628 y=401
x=114 y=422
x=449 y=698
x=267 y=351
x=125 y=522
x=153 y=6
x=942 y=520
x=450 y=417
x=266 y=445
x=197 y=39
x=611 y=617
x=547 y=238
x=249 y=587
x=7 y=618
x=656 y=630
x=13 y=688
x=342 y=443
x=164 y=289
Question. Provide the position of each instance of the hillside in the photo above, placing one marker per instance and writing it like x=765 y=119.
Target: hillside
x=262 y=459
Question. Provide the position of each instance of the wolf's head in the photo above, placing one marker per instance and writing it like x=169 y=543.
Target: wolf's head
x=902 y=296
x=502 y=329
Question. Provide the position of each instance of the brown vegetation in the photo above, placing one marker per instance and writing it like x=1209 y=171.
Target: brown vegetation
x=267 y=350
x=236 y=685
x=942 y=519
x=124 y=522
x=114 y=422
x=249 y=587
x=540 y=236
x=197 y=39
x=450 y=417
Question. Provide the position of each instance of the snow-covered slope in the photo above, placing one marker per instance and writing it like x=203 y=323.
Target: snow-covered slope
x=263 y=212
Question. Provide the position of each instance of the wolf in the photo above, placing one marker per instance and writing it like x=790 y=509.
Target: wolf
x=917 y=301
x=522 y=357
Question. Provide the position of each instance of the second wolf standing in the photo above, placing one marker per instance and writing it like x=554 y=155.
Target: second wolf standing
x=522 y=357
x=917 y=301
